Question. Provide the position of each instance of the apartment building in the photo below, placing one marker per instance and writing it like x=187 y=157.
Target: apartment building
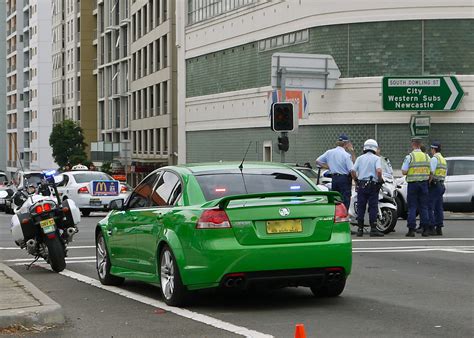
x=112 y=45
x=153 y=123
x=73 y=61
x=225 y=55
x=29 y=87
x=3 y=92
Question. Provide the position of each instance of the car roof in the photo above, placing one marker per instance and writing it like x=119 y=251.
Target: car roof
x=83 y=172
x=470 y=158
x=210 y=166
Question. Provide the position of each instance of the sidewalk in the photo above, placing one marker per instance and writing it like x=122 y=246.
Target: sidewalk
x=21 y=303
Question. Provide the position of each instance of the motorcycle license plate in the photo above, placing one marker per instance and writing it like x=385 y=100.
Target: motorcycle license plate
x=48 y=225
x=286 y=226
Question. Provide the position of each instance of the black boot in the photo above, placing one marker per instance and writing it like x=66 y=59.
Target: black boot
x=410 y=233
x=374 y=232
x=360 y=231
x=439 y=231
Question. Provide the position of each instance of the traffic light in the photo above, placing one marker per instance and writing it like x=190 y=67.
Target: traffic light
x=283 y=143
x=282 y=117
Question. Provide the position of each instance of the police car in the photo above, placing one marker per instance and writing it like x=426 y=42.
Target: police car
x=91 y=190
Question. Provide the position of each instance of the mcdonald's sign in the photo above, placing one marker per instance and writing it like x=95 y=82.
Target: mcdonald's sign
x=105 y=188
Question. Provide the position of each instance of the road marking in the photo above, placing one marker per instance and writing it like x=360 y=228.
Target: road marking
x=69 y=247
x=412 y=239
x=455 y=249
x=240 y=330
x=68 y=259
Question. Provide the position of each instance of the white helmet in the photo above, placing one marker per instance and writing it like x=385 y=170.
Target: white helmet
x=371 y=144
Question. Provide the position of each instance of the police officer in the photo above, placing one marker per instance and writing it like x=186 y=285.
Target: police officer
x=339 y=162
x=436 y=189
x=416 y=167
x=367 y=174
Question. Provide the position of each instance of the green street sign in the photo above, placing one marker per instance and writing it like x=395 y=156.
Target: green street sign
x=421 y=93
x=420 y=125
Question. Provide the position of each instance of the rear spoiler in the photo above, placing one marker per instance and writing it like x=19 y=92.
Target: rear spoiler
x=222 y=203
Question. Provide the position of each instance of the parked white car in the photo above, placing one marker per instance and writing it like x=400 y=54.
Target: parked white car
x=459 y=183
x=91 y=190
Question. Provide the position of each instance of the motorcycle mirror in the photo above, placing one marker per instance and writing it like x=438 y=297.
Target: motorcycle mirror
x=3 y=194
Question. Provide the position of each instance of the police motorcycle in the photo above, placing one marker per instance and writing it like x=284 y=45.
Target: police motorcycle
x=42 y=224
x=387 y=206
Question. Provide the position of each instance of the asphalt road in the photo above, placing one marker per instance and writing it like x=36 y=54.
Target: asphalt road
x=399 y=287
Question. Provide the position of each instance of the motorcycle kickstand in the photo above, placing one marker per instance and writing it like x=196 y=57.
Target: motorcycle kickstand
x=34 y=261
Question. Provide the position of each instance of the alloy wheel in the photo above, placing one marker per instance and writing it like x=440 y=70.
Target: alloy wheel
x=101 y=253
x=167 y=274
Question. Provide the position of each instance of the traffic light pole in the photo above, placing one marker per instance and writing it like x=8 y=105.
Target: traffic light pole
x=283 y=99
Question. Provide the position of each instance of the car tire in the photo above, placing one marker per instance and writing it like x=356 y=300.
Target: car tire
x=332 y=289
x=103 y=264
x=56 y=254
x=85 y=213
x=173 y=291
x=388 y=221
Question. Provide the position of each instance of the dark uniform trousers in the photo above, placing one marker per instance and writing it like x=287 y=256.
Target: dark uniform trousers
x=435 y=206
x=342 y=184
x=367 y=192
x=417 y=199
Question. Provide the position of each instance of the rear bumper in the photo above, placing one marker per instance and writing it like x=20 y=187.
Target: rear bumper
x=84 y=201
x=302 y=264
x=282 y=278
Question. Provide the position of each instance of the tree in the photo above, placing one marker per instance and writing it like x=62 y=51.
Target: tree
x=67 y=141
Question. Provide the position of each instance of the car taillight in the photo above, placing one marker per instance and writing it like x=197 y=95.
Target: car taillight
x=83 y=190
x=213 y=219
x=123 y=189
x=47 y=207
x=340 y=215
x=39 y=209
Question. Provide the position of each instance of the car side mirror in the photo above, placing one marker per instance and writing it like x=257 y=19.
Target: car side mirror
x=117 y=204
x=58 y=179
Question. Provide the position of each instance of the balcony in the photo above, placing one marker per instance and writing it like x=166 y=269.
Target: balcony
x=26 y=124
x=10 y=11
x=11 y=163
x=11 y=125
x=11 y=87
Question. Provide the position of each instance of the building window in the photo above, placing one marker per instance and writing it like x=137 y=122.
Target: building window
x=283 y=40
x=201 y=10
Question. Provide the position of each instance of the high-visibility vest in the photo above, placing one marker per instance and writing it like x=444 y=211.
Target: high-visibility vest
x=441 y=168
x=419 y=168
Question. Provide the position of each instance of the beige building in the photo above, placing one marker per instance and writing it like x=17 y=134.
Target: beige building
x=112 y=44
x=153 y=84
x=73 y=60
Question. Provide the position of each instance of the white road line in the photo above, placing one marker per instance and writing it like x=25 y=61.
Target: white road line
x=67 y=259
x=69 y=247
x=43 y=264
x=412 y=250
x=418 y=247
x=412 y=239
x=240 y=330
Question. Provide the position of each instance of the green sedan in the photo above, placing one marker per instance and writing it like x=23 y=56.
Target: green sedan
x=226 y=225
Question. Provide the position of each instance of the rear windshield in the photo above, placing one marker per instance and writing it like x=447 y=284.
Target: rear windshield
x=3 y=178
x=220 y=184
x=33 y=179
x=95 y=176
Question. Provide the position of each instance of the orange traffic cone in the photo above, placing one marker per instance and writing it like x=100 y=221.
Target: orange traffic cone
x=299 y=331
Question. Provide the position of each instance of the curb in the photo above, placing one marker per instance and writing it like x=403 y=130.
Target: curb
x=49 y=312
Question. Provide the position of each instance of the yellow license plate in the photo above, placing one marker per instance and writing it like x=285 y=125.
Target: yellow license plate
x=47 y=222
x=286 y=226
